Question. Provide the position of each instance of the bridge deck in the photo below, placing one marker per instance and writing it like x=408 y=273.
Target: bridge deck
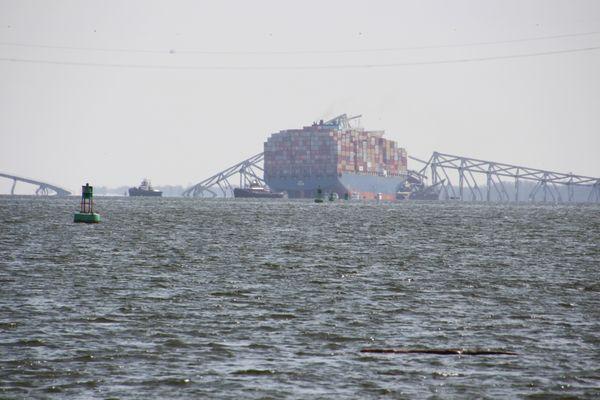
x=42 y=186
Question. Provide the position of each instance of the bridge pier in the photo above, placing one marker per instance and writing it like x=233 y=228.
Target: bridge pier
x=594 y=195
x=42 y=191
x=517 y=186
x=489 y=184
x=570 y=191
x=461 y=181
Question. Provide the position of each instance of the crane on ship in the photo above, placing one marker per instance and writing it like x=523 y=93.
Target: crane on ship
x=342 y=121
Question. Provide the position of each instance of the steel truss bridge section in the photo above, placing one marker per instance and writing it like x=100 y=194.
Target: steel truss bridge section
x=43 y=189
x=249 y=171
x=497 y=174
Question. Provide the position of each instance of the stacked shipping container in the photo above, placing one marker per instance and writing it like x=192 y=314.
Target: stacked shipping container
x=317 y=152
x=369 y=153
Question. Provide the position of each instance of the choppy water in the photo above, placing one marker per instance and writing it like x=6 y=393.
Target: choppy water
x=179 y=298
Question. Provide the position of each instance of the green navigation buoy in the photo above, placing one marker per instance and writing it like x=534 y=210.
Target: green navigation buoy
x=87 y=214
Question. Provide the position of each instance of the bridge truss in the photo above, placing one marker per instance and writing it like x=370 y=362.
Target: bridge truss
x=497 y=177
x=43 y=188
x=249 y=171
x=494 y=183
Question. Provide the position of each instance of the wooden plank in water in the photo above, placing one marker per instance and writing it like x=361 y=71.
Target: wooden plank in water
x=468 y=352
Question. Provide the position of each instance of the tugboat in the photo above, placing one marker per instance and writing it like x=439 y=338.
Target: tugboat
x=255 y=190
x=145 y=189
x=319 y=198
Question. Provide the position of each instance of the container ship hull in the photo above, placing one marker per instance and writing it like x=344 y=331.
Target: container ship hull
x=133 y=192
x=346 y=184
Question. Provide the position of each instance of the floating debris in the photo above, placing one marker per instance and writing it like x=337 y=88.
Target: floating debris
x=467 y=352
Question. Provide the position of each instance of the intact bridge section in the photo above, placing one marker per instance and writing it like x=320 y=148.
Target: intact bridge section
x=43 y=188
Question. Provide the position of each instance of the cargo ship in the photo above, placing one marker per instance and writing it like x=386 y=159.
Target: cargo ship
x=145 y=189
x=336 y=157
x=255 y=190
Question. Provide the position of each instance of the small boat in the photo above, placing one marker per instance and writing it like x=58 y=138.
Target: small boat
x=145 y=189
x=319 y=198
x=256 y=190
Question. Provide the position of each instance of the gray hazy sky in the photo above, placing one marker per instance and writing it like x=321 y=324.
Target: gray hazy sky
x=70 y=123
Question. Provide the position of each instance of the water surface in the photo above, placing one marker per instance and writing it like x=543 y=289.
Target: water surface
x=182 y=298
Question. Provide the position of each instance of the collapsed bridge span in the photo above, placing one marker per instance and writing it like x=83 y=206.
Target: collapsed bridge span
x=495 y=181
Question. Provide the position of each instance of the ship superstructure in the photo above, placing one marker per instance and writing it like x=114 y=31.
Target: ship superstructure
x=257 y=191
x=336 y=157
x=145 y=189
